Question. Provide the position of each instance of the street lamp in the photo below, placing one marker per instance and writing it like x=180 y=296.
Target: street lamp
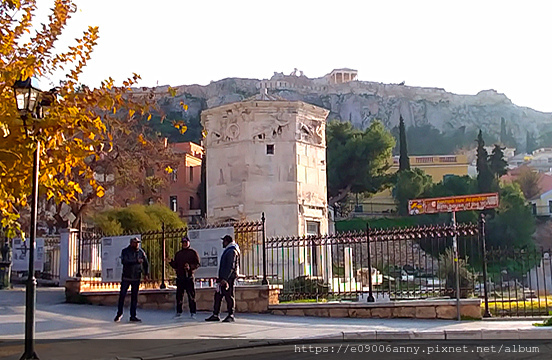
x=30 y=103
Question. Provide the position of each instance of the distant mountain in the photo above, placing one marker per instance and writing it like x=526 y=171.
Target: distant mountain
x=361 y=102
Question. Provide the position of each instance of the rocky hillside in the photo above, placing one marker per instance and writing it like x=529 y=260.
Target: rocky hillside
x=361 y=102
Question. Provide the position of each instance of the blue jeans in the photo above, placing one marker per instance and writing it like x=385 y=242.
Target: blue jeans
x=133 y=296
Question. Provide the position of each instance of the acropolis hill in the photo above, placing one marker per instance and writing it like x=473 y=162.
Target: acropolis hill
x=361 y=102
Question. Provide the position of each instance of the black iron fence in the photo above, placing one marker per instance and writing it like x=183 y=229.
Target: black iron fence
x=520 y=282
x=373 y=265
x=394 y=264
x=47 y=260
x=161 y=245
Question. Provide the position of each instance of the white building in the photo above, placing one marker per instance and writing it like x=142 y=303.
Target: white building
x=268 y=155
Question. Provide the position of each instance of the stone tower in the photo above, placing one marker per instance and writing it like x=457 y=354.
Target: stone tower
x=266 y=154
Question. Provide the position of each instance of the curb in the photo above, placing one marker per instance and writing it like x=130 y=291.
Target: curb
x=382 y=335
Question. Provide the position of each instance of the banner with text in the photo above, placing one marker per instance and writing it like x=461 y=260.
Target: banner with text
x=453 y=204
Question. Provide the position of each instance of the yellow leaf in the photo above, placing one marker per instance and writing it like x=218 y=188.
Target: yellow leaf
x=169 y=169
x=100 y=191
x=131 y=112
x=149 y=117
x=114 y=110
x=141 y=139
x=183 y=129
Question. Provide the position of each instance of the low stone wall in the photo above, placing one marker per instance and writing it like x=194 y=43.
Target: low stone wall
x=418 y=309
x=253 y=299
x=264 y=298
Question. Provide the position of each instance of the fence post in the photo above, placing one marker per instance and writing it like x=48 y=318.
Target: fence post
x=482 y=238
x=163 y=286
x=370 y=295
x=456 y=264
x=265 y=280
x=79 y=250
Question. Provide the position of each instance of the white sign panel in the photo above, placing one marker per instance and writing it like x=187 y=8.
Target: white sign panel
x=20 y=260
x=208 y=244
x=112 y=268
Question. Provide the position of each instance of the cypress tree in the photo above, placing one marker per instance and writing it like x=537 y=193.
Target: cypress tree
x=485 y=178
x=404 y=161
x=497 y=162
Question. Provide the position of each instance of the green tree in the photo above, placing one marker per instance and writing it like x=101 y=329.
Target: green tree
x=404 y=161
x=497 y=163
x=137 y=218
x=506 y=136
x=530 y=143
x=357 y=160
x=545 y=140
x=411 y=184
x=485 y=178
x=452 y=186
x=514 y=224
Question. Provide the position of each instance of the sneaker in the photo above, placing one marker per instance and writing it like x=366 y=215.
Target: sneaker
x=118 y=318
x=135 y=319
x=177 y=315
x=193 y=316
x=229 y=318
x=213 y=318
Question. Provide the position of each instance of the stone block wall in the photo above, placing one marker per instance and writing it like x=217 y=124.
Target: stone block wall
x=253 y=299
x=413 y=309
x=264 y=298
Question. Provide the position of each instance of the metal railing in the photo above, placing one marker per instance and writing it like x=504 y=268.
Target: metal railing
x=392 y=264
x=162 y=244
x=520 y=282
x=373 y=265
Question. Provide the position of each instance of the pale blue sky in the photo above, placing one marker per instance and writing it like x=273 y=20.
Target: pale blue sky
x=461 y=46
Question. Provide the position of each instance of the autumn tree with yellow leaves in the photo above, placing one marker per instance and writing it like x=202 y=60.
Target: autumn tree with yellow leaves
x=85 y=132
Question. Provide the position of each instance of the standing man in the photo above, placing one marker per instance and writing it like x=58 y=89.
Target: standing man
x=228 y=272
x=134 y=260
x=185 y=262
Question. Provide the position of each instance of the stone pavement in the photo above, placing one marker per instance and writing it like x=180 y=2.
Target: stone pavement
x=70 y=323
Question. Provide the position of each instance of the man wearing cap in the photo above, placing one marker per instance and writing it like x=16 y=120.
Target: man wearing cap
x=185 y=262
x=228 y=272
x=134 y=260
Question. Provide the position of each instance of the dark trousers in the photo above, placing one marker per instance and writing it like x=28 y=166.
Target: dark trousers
x=227 y=294
x=135 y=285
x=188 y=285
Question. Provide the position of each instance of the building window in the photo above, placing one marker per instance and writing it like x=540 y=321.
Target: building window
x=534 y=209
x=191 y=174
x=270 y=149
x=550 y=207
x=191 y=203
x=173 y=203
x=175 y=175
x=313 y=228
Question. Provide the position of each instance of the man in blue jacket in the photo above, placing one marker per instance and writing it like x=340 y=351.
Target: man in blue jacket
x=134 y=260
x=228 y=272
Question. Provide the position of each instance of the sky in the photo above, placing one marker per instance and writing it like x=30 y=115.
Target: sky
x=461 y=46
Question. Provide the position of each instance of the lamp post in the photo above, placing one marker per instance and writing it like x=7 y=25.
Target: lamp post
x=30 y=102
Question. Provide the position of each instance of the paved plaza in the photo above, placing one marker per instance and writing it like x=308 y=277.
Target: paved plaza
x=77 y=326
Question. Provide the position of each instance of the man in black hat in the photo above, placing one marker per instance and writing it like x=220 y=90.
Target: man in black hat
x=228 y=272
x=134 y=260
x=185 y=262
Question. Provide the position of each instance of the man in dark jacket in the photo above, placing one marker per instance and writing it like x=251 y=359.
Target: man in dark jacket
x=228 y=272
x=185 y=262
x=134 y=260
